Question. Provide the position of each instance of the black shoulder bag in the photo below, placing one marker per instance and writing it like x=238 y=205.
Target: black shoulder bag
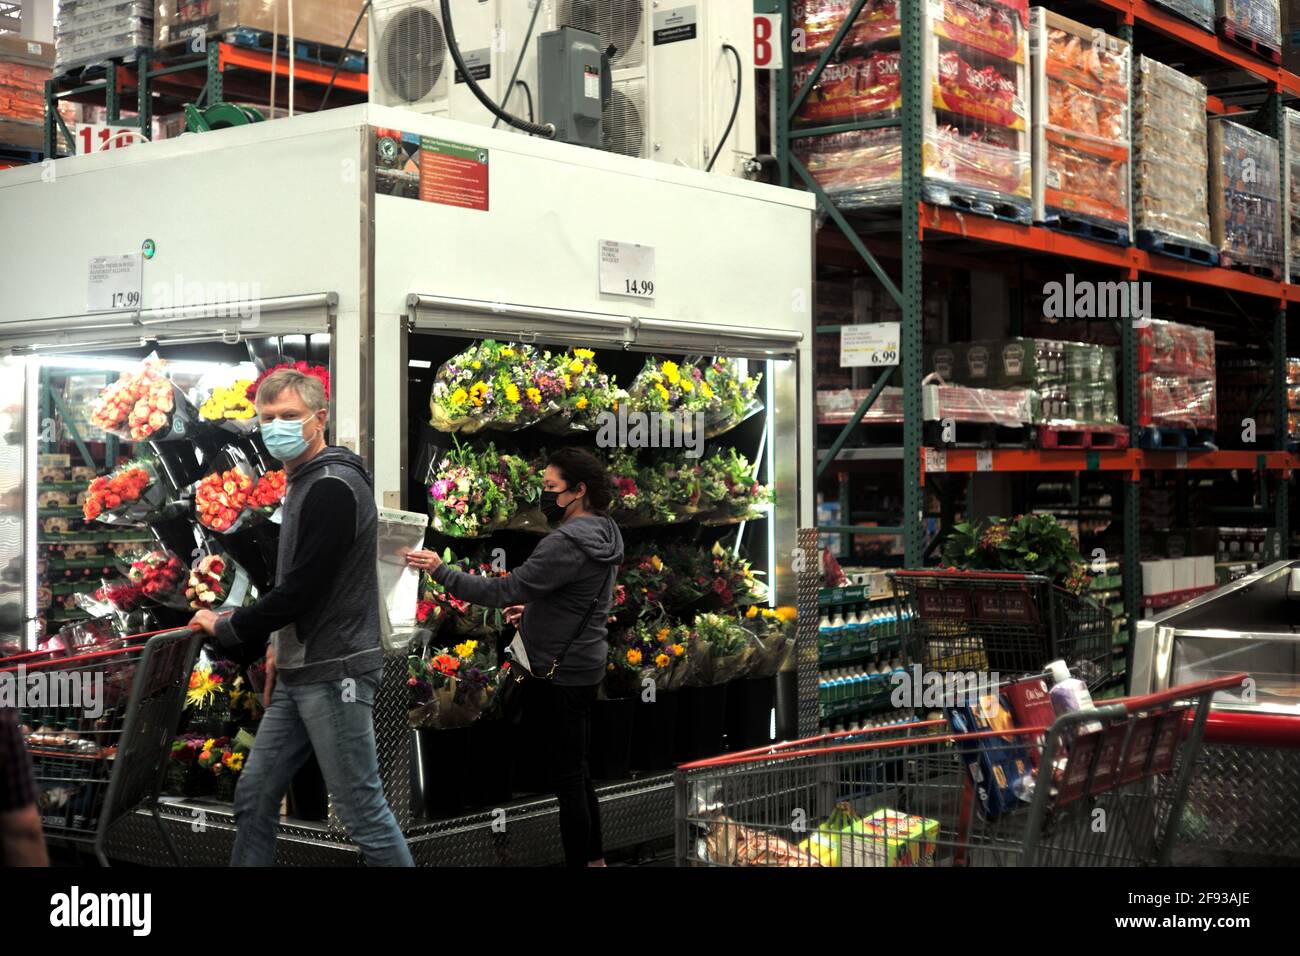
x=512 y=688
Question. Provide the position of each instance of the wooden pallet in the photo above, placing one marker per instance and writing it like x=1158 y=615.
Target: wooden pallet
x=976 y=435
x=1071 y=224
x=1273 y=272
x=304 y=50
x=1176 y=248
x=1081 y=436
x=1159 y=438
x=981 y=204
x=1230 y=31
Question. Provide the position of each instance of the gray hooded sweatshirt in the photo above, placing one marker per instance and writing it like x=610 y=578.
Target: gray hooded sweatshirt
x=570 y=567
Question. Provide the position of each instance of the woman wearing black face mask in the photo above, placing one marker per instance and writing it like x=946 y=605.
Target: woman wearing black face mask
x=568 y=580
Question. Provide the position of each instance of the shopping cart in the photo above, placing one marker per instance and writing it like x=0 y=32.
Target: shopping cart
x=917 y=795
x=98 y=727
x=1002 y=623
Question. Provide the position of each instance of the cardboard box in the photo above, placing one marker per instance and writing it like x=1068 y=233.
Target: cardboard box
x=326 y=22
x=1184 y=574
x=889 y=838
x=1205 y=571
x=1157 y=577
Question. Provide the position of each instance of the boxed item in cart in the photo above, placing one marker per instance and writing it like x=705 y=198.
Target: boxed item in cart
x=1081 y=124
x=999 y=766
x=889 y=838
x=326 y=22
x=1252 y=22
x=1170 y=151
x=1245 y=197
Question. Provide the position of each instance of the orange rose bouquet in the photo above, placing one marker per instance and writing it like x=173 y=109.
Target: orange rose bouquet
x=268 y=493
x=136 y=494
x=144 y=405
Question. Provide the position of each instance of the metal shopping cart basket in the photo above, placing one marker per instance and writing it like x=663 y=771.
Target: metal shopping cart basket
x=98 y=725
x=917 y=795
x=1002 y=623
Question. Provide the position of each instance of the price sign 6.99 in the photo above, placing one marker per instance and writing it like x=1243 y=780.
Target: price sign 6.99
x=869 y=344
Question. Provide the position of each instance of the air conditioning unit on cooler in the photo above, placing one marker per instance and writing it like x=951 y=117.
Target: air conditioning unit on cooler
x=411 y=66
x=674 y=84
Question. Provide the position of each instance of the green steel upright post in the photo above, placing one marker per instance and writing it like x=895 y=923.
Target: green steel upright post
x=215 y=89
x=144 y=99
x=112 y=101
x=51 y=110
x=913 y=69
x=1281 y=396
x=1131 y=564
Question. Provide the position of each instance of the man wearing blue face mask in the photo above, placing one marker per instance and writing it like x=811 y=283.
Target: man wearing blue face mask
x=322 y=620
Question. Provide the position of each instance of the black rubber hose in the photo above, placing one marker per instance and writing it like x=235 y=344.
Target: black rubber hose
x=735 y=110
x=519 y=64
x=547 y=130
x=346 y=43
x=528 y=93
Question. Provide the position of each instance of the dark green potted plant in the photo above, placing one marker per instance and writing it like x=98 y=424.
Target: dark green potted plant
x=1025 y=544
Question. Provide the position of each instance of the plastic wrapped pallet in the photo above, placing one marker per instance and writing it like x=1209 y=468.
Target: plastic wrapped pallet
x=1251 y=22
x=857 y=169
x=88 y=31
x=1291 y=191
x=1245 y=198
x=1176 y=376
x=821 y=19
x=852 y=89
x=325 y=22
x=1009 y=408
x=1170 y=162
x=25 y=65
x=1081 y=127
x=1200 y=12
x=977 y=153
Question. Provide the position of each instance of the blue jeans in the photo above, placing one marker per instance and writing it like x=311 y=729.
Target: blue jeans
x=342 y=733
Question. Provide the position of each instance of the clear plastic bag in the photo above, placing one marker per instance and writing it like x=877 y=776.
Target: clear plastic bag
x=144 y=405
x=136 y=494
x=223 y=401
x=494 y=385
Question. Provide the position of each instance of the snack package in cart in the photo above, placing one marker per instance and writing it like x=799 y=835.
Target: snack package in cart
x=1000 y=767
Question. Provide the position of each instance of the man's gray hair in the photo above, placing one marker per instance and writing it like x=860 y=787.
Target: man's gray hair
x=307 y=387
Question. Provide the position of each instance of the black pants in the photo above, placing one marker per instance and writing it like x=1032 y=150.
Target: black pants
x=559 y=721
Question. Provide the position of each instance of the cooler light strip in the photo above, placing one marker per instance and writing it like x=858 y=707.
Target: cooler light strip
x=31 y=452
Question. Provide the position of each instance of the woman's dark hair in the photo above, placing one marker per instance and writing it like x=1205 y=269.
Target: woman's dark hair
x=577 y=465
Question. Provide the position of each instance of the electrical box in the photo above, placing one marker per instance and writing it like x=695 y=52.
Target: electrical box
x=574 y=85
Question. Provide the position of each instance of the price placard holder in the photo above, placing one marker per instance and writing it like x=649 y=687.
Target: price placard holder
x=114 y=283
x=626 y=269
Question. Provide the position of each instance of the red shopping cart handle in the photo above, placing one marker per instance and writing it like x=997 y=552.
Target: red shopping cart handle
x=62 y=662
x=1147 y=701
x=966 y=572
x=1252 y=730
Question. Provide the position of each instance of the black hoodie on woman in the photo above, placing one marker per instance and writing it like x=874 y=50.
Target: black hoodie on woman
x=570 y=567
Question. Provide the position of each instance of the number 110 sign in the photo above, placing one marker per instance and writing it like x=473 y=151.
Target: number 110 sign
x=869 y=344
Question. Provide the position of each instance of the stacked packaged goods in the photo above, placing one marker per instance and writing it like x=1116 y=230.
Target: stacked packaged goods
x=1081 y=127
x=1068 y=382
x=25 y=65
x=1200 y=12
x=1245 y=198
x=1291 y=191
x=1171 y=211
x=89 y=31
x=1293 y=398
x=1176 y=376
x=977 y=154
x=1253 y=23
x=977 y=151
x=323 y=22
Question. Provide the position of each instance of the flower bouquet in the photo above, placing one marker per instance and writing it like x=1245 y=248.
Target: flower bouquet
x=647 y=580
x=452 y=687
x=721 y=579
x=1025 y=544
x=651 y=649
x=728 y=489
x=735 y=396
x=224 y=498
x=217 y=583
x=470 y=494
x=465 y=620
x=184 y=775
x=775 y=630
x=490 y=384
x=723 y=650
x=631 y=507
x=675 y=481
x=135 y=494
x=119 y=603
x=268 y=493
x=316 y=371
x=666 y=386
x=144 y=405
x=160 y=576
x=523 y=482
x=588 y=393
x=223 y=399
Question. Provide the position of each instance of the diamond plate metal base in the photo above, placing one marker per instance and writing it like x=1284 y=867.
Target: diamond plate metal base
x=805 y=651
x=1243 y=808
